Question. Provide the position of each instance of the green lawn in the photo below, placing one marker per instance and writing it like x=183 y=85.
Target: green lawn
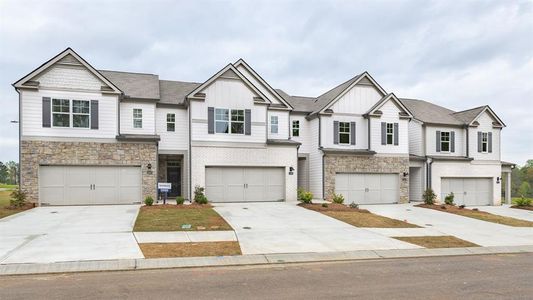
x=4 y=203
x=8 y=186
x=172 y=217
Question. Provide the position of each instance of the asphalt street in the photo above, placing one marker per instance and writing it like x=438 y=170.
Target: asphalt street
x=466 y=277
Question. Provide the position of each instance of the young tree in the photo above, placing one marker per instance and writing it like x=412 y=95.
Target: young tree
x=12 y=170
x=524 y=189
x=3 y=173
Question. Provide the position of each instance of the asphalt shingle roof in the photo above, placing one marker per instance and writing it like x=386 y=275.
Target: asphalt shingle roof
x=468 y=115
x=174 y=92
x=431 y=113
x=134 y=85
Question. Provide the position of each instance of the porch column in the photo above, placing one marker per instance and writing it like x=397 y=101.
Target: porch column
x=508 y=188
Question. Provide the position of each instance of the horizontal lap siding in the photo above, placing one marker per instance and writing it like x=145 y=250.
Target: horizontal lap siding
x=431 y=136
x=390 y=115
x=485 y=125
x=173 y=140
x=31 y=102
x=416 y=140
x=126 y=118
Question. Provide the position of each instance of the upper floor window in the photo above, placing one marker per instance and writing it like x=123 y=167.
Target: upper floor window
x=445 y=141
x=61 y=113
x=171 y=122
x=226 y=123
x=484 y=142
x=137 y=118
x=390 y=133
x=296 y=128
x=344 y=133
x=274 y=124
x=80 y=113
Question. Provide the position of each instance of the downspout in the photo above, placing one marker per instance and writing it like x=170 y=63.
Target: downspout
x=429 y=162
x=323 y=154
x=20 y=139
x=467 y=142
x=190 y=152
x=369 y=135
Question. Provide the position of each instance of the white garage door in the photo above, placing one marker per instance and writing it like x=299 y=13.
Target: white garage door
x=235 y=184
x=80 y=185
x=468 y=191
x=367 y=188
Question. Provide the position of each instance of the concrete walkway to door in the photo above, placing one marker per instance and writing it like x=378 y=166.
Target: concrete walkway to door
x=69 y=233
x=286 y=228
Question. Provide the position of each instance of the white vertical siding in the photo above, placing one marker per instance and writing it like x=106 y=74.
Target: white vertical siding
x=361 y=131
x=263 y=89
x=357 y=100
x=173 y=140
x=390 y=115
x=485 y=125
x=431 y=143
x=126 y=118
x=32 y=110
x=283 y=124
x=305 y=133
x=416 y=140
x=230 y=94
x=315 y=161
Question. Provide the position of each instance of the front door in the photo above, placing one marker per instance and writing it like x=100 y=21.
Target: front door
x=174 y=177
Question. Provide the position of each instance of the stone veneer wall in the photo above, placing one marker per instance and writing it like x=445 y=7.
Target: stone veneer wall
x=35 y=153
x=334 y=163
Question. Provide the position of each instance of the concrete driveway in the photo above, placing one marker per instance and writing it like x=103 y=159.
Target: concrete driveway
x=287 y=228
x=69 y=233
x=476 y=231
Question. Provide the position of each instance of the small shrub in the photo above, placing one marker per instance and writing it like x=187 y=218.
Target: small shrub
x=443 y=206
x=18 y=198
x=429 y=196
x=199 y=196
x=461 y=206
x=306 y=197
x=449 y=199
x=300 y=192
x=149 y=201
x=338 y=198
x=325 y=205
x=522 y=201
x=475 y=209
x=180 y=200
x=354 y=205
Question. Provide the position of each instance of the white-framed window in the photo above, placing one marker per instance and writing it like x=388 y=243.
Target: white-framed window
x=274 y=125
x=137 y=118
x=445 y=141
x=344 y=133
x=229 y=121
x=390 y=133
x=60 y=113
x=484 y=142
x=296 y=128
x=171 y=122
x=81 y=112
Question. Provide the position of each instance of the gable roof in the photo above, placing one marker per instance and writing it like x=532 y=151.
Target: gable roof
x=299 y=103
x=385 y=99
x=135 y=85
x=430 y=113
x=174 y=92
x=241 y=62
x=229 y=67
x=73 y=57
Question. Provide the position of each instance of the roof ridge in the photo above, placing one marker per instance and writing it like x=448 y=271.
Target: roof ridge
x=127 y=72
x=168 y=80
x=352 y=78
x=462 y=111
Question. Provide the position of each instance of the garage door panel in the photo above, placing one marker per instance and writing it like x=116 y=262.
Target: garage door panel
x=86 y=185
x=243 y=184
x=367 y=188
x=468 y=191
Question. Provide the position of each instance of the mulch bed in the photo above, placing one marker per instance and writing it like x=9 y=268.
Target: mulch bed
x=331 y=207
x=523 y=207
x=162 y=250
x=174 y=206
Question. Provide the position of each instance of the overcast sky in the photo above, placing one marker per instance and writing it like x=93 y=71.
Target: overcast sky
x=459 y=54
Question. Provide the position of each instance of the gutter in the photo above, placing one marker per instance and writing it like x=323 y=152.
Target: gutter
x=429 y=162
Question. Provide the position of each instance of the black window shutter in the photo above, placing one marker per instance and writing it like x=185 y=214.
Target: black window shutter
x=211 y=120
x=452 y=141
x=352 y=133
x=94 y=114
x=46 y=112
x=247 y=122
x=437 y=141
x=396 y=136
x=335 y=132
x=479 y=141
x=383 y=133
x=490 y=142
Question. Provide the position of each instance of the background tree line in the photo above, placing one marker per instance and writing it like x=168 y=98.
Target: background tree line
x=522 y=180
x=9 y=172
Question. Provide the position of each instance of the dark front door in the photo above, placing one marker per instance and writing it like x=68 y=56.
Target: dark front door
x=174 y=177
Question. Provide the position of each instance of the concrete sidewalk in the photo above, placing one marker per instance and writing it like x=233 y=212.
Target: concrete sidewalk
x=241 y=260
x=506 y=211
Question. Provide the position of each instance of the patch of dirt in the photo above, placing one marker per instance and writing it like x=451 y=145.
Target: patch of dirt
x=174 y=206
x=331 y=207
x=161 y=250
x=437 y=241
x=523 y=207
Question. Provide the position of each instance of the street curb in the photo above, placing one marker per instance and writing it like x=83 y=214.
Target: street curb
x=243 y=260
